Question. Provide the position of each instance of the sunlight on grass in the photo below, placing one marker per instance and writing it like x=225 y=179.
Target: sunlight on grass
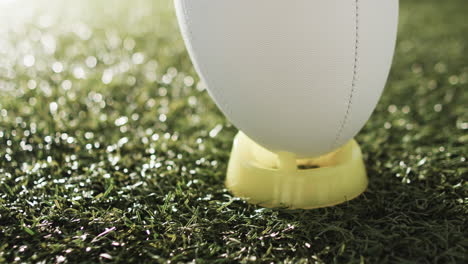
x=111 y=149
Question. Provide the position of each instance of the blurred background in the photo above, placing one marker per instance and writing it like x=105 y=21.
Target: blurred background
x=111 y=150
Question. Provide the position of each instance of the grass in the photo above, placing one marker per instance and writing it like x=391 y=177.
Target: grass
x=115 y=162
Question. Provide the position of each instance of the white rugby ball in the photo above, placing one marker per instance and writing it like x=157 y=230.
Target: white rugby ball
x=301 y=76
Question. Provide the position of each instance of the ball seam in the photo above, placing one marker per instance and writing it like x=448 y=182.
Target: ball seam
x=354 y=80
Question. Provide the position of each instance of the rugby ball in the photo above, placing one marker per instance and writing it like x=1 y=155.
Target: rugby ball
x=301 y=76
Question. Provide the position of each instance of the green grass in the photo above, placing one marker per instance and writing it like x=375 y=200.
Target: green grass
x=127 y=171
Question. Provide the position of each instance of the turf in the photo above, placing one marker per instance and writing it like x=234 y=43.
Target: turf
x=124 y=161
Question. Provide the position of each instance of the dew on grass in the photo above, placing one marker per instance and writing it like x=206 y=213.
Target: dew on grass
x=66 y=85
x=79 y=72
x=129 y=43
x=32 y=84
x=406 y=109
x=121 y=121
x=188 y=81
x=91 y=62
x=215 y=131
x=167 y=79
x=138 y=58
x=454 y=80
x=440 y=67
x=53 y=107
x=29 y=60
x=107 y=76
x=162 y=91
x=392 y=109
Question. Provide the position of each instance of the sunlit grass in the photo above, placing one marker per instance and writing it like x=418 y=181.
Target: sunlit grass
x=106 y=151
